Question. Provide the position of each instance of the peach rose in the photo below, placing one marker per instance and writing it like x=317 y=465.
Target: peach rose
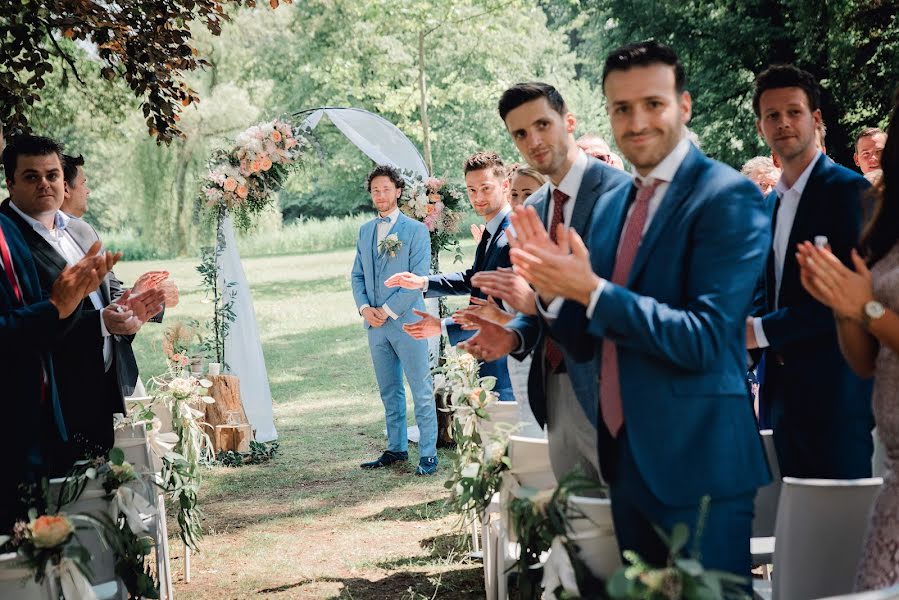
x=266 y=163
x=255 y=166
x=230 y=184
x=50 y=531
x=242 y=191
x=276 y=136
x=434 y=197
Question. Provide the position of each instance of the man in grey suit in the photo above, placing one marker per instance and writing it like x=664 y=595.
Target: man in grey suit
x=562 y=391
x=93 y=362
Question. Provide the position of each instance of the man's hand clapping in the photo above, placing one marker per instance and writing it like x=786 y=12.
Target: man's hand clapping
x=78 y=280
x=486 y=309
x=509 y=287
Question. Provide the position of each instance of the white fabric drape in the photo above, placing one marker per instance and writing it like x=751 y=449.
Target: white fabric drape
x=378 y=139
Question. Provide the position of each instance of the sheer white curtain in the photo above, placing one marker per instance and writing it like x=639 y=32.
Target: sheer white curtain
x=378 y=139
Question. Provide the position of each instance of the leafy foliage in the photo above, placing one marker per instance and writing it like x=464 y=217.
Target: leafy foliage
x=259 y=452
x=147 y=44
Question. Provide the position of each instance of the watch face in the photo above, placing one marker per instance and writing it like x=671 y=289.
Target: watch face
x=874 y=310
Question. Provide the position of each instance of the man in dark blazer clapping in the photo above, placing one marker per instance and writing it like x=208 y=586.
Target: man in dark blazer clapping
x=819 y=409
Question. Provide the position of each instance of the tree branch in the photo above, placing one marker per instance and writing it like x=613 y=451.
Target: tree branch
x=63 y=54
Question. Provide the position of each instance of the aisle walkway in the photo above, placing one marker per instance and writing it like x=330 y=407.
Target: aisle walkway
x=311 y=524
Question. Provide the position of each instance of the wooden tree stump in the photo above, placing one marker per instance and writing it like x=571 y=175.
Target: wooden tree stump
x=237 y=434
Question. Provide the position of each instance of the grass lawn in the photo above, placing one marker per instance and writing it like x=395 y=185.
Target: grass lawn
x=311 y=524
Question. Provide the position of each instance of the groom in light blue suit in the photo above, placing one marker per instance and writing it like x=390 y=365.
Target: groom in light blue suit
x=394 y=243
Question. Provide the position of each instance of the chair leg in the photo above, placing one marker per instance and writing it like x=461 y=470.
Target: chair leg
x=475 y=538
x=186 y=563
x=766 y=572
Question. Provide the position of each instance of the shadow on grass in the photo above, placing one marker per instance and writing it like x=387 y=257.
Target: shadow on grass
x=424 y=511
x=443 y=549
x=458 y=584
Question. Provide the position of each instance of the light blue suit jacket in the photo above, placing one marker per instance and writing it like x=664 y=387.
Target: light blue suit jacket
x=371 y=268
x=679 y=325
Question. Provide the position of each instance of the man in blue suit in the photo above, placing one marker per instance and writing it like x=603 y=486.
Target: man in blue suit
x=562 y=392
x=662 y=295
x=394 y=243
x=819 y=408
x=31 y=322
x=488 y=187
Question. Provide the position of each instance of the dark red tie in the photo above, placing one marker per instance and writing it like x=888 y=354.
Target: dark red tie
x=550 y=350
x=609 y=383
x=8 y=268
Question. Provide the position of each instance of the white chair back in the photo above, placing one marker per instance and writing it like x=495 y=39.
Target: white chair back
x=767 y=497
x=594 y=534
x=500 y=412
x=529 y=459
x=820 y=527
x=16 y=581
x=890 y=593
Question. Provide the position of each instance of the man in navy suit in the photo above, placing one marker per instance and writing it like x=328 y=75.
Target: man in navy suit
x=819 y=408
x=31 y=322
x=562 y=391
x=390 y=244
x=488 y=191
x=662 y=295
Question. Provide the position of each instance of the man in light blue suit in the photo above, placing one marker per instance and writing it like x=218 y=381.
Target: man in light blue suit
x=394 y=243
x=487 y=185
x=662 y=297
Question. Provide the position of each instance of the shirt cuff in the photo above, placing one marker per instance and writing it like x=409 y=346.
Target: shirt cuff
x=594 y=297
x=389 y=312
x=363 y=307
x=424 y=288
x=519 y=348
x=760 y=338
x=103 y=330
x=551 y=312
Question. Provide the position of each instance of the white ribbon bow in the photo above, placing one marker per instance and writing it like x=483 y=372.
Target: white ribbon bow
x=75 y=585
x=161 y=443
x=558 y=571
x=133 y=506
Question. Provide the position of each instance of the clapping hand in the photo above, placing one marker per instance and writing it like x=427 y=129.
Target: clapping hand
x=486 y=309
x=149 y=280
x=407 y=280
x=831 y=283
x=509 y=287
x=554 y=268
x=491 y=342
x=428 y=327
x=78 y=280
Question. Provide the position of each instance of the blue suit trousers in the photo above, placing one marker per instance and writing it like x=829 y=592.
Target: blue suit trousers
x=393 y=352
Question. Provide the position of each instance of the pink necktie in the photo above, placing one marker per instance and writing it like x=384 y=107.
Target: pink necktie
x=609 y=384
x=551 y=351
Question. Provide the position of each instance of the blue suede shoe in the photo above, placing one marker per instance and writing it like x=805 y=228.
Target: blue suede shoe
x=427 y=465
x=386 y=459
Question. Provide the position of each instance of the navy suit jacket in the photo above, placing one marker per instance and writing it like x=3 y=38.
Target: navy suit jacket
x=679 y=326
x=599 y=178
x=816 y=395
x=459 y=284
x=27 y=333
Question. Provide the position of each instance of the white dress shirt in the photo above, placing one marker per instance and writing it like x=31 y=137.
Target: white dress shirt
x=786 y=214
x=382 y=229
x=62 y=241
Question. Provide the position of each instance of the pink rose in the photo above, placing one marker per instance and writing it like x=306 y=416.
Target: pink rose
x=230 y=184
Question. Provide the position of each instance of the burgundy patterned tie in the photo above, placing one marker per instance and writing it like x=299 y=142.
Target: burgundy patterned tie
x=550 y=350
x=609 y=384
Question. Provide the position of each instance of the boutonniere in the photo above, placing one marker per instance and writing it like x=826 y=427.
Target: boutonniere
x=390 y=245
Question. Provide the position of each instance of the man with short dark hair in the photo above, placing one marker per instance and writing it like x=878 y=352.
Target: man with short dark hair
x=488 y=191
x=661 y=297
x=819 y=409
x=93 y=363
x=561 y=391
x=869 y=145
x=75 y=199
x=394 y=243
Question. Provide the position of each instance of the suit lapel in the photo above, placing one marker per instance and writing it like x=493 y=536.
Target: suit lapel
x=84 y=237
x=803 y=222
x=586 y=197
x=40 y=249
x=396 y=228
x=604 y=240
x=678 y=192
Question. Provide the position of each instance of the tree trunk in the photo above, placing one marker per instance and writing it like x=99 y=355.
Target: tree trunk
x=423 y=89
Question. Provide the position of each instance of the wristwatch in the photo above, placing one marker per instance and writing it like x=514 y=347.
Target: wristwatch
x=873 y=310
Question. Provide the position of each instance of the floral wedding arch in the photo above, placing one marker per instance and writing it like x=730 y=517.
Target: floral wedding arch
x=242 y=181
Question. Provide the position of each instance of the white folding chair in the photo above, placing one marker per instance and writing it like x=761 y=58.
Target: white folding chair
x=594 y=534
x=820 y=529
x=17 y=581
x=762 y=543
x=890 y=593
x=500 y=412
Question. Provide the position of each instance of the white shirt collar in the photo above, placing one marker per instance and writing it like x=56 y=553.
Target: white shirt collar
x=665 y=170
x=799 y=185
x=393 y=216
x=493 y=224
x=571 y=183
x=60 y=219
